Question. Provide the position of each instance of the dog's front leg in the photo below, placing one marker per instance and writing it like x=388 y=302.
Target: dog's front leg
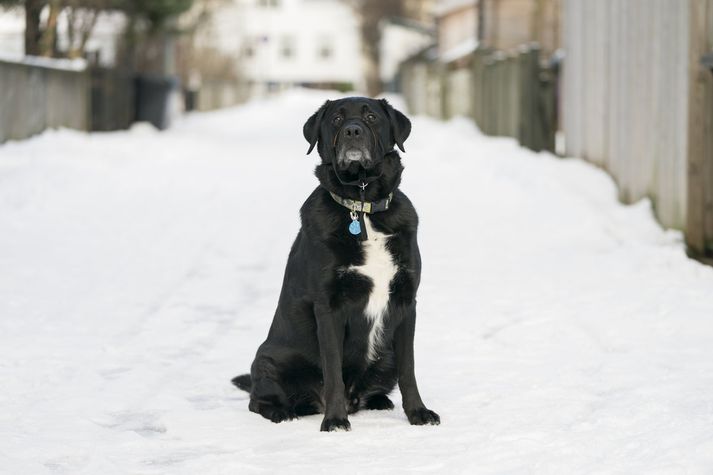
x=330 y=334
x=416 y=411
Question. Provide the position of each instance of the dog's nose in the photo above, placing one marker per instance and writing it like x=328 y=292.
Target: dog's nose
x=352 y=131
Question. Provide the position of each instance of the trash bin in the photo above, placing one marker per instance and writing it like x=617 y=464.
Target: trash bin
x=153 y=99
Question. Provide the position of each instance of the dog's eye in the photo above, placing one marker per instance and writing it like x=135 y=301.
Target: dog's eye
x=337 y=120
x=371 y=117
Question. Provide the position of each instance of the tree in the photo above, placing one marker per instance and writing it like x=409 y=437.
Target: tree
x=82 y=15
x=150 y=31
x=33 y=29
x=371 y=13
x=41 y=38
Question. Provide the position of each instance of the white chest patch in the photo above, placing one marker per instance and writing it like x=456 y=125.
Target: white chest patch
x=380 y=268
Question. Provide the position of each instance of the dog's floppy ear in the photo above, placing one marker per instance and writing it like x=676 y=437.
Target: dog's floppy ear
x=312 y=126
x=400 y=125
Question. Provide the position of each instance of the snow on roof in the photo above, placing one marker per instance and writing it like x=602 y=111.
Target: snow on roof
x=446 y=6
x=51 y=63
x=462 y=49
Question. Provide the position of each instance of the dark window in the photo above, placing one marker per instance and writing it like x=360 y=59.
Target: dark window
x=325 y=50
x=287 y=47
x=248 y=49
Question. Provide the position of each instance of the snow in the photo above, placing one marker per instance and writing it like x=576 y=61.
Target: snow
x=460 y=50
x=444 y=7
x=558 y=332
x=103 y=40
x=63 y=64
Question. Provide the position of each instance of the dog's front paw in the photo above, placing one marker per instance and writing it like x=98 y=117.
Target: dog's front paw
x=423 y=416
x=335 y=423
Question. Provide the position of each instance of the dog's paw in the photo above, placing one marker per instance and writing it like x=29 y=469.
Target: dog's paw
x=272 y=413
x=335 y=423
x=353 y=405
x=279 y=416
x=423 y=416
x=380 y=402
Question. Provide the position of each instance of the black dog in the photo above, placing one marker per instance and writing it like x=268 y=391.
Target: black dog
x=342 y=335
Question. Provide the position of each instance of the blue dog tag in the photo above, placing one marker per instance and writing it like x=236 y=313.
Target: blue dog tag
x=355 y=228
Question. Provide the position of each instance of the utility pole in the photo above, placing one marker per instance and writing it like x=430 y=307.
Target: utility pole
x=480 y=24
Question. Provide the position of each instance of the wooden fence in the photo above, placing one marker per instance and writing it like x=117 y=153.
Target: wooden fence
x=699 y=228
x=216 y=94
x=636 y=101
x=421 y=86
x=38 y=95
x=506 y=94
x=515 y=95
x=625 y=96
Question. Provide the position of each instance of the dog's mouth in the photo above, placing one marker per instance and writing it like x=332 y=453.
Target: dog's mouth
x=354 y=155
x=352 y=158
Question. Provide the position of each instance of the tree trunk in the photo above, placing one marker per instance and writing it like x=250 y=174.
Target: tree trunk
x=372 y=13
x=48 y=39
x=33 y=32
x=371 y=70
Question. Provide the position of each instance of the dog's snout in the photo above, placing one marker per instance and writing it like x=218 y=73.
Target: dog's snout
x=352 y=131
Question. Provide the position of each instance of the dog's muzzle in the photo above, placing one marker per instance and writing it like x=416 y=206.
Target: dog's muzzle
x=353 y=146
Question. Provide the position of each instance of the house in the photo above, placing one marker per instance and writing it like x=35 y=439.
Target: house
x=457 y=24
x=278 y=44
x=497 y=24
x=507 y=24
x=401 y=38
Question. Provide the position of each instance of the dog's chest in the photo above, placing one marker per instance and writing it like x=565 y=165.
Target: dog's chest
x=380 y=268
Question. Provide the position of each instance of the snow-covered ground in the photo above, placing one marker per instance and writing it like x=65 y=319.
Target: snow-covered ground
x=559 y=331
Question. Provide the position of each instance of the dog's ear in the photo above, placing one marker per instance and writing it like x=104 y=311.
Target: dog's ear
x=312 y=126
x=400 y=125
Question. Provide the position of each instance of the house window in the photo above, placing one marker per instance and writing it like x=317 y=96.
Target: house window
x=325 y=50
x=287 y=47
x=248 y=49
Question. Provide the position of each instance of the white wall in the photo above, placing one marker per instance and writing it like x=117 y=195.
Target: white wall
x=306 y=26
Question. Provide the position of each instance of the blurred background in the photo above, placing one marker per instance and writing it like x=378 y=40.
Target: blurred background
x=625 y=84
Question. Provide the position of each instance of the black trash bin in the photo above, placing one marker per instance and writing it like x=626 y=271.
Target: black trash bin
x=153 y=94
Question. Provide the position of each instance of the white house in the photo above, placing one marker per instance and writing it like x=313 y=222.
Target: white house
x=283 y=43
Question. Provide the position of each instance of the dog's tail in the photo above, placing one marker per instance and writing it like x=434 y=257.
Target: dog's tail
x=243 y=382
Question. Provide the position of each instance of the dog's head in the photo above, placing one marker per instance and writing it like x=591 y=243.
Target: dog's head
x=356 y=132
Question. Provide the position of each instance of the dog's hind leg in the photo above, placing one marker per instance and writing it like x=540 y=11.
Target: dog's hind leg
x=268 y=399
x=267 y=395
x=374 y=386
x=379 y=402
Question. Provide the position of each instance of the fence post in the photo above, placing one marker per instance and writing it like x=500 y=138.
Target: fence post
x=699 y=219
x=488 y=96
x=529 y=82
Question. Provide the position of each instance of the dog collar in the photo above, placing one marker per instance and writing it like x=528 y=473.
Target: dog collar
x=367 y=207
